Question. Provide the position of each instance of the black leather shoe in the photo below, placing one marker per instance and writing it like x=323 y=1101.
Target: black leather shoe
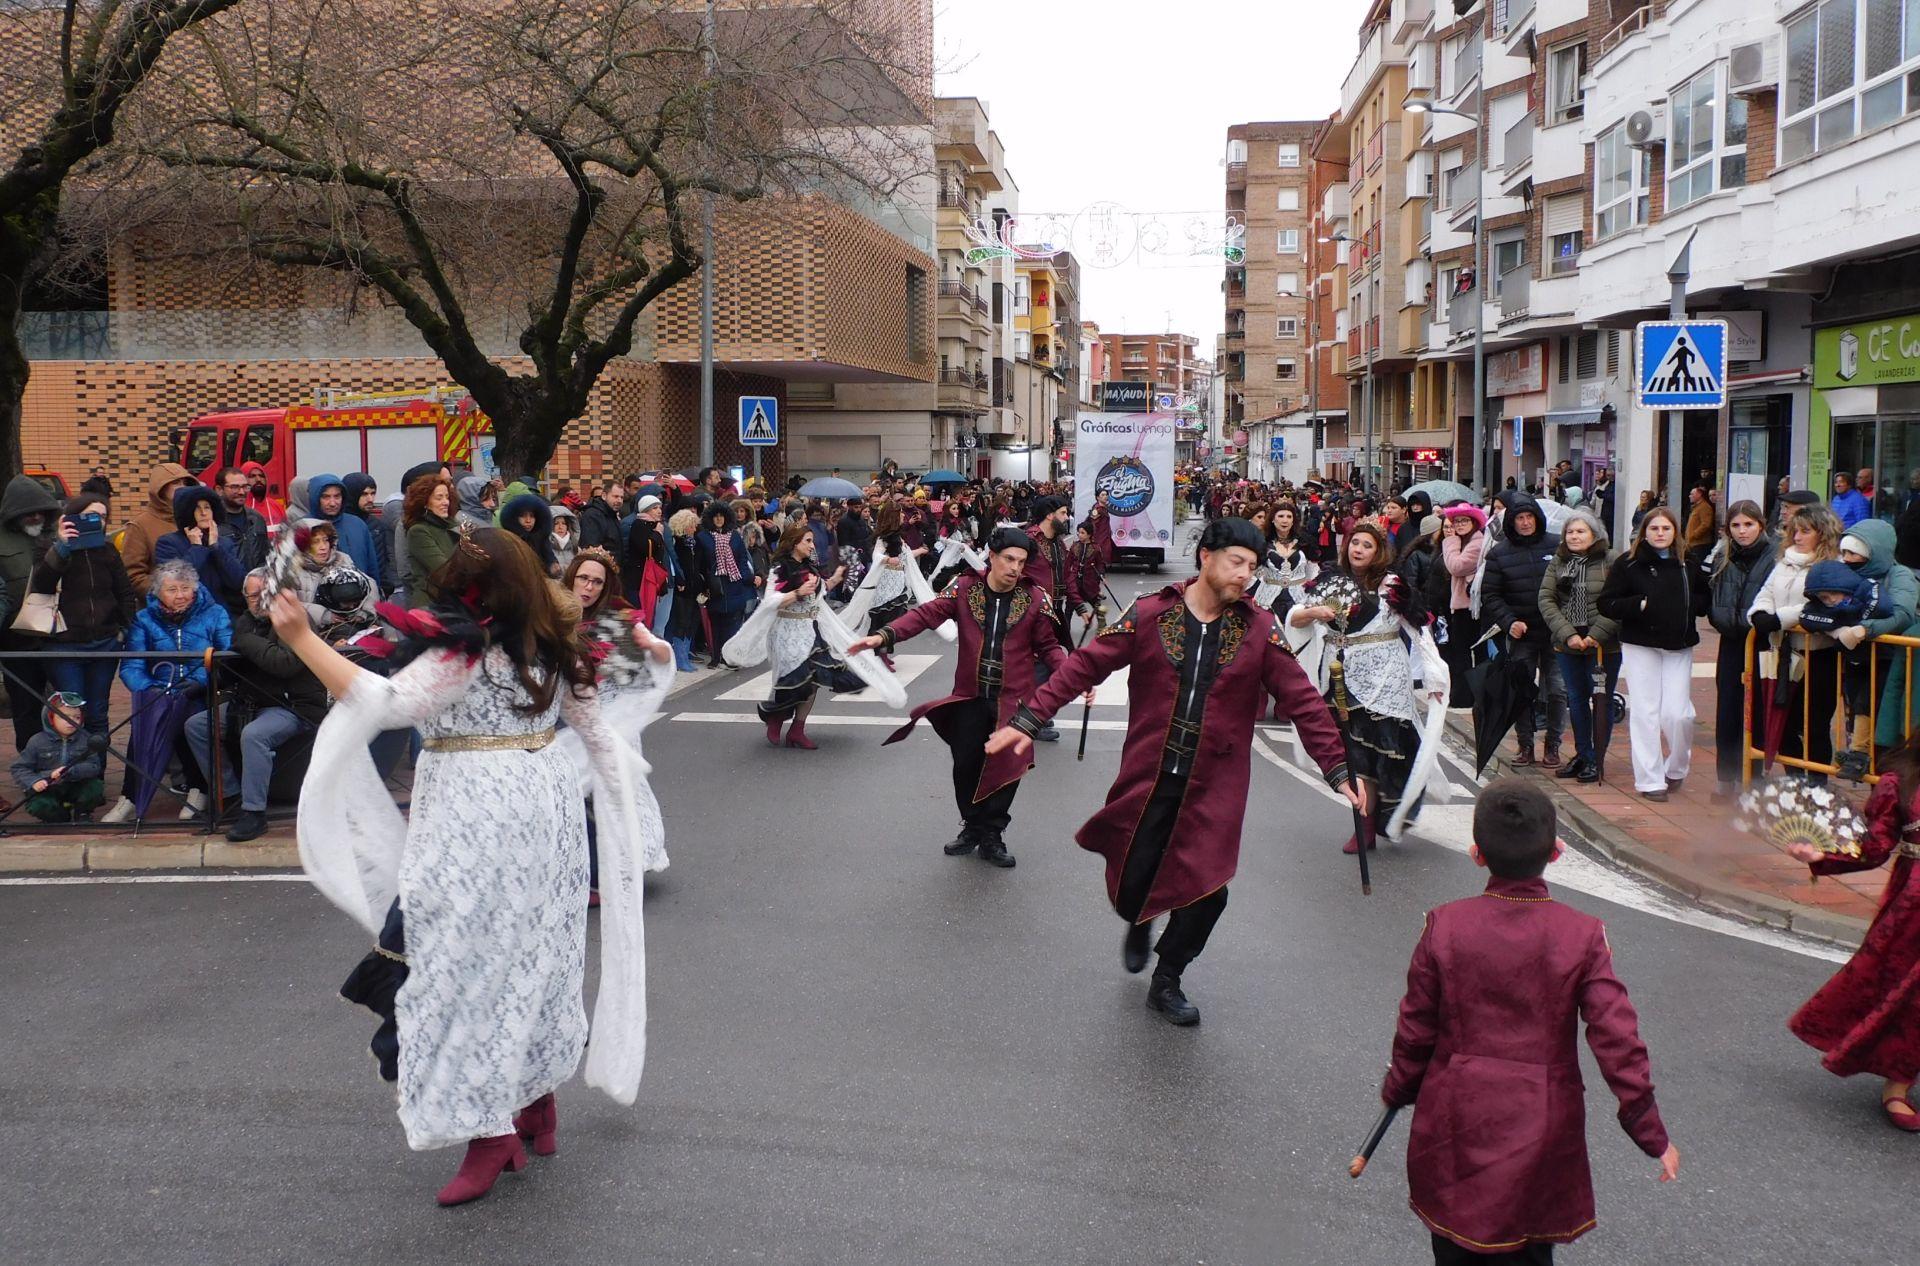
x=1134 y=949
x=248 y=826
x=1571 y=769
x=993 y=851
x=1165 y=997
x=961 y=845
x=1590 y=773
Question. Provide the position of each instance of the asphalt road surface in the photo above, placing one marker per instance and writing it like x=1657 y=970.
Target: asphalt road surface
x=865 y=1052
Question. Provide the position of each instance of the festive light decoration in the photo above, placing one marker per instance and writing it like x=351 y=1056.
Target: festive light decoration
x=1108 y=235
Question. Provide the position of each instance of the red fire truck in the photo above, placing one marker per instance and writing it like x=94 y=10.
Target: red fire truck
x=380 y=433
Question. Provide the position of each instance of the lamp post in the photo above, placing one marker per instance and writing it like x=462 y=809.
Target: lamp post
x=1366 y=390
x=1481 y=474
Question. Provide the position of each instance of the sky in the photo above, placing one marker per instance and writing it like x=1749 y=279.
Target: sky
x=1128 y=102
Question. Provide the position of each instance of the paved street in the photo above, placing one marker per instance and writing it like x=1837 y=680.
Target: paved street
x=863 y=1051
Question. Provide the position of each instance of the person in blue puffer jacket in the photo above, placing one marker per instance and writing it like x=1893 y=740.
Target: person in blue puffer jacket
x=180 y=615
x=328 y=494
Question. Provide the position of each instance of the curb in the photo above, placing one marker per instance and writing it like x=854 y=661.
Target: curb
x=1702 y=887
x=152 y=852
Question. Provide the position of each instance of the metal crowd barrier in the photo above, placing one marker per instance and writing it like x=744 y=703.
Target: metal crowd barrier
x=210 y=659
x=1758 y=688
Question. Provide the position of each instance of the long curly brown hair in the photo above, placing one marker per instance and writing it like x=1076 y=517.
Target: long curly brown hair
x=497 y=577
x=420 y=492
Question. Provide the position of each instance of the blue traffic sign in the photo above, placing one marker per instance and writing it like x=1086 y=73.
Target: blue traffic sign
x=759 y=421
x=1682 y=365
x=1276 y=448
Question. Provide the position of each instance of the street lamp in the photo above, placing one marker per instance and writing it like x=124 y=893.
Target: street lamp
x=1481 y=475
x=1366 y=391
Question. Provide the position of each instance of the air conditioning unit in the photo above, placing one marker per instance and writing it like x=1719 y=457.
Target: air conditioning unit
x=1753 y=68
x=1647 y=128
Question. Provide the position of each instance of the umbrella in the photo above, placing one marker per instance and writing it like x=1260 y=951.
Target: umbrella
x=1602 y=709
x=159 y=718
x=1444 y=492
x=832 y=489
x=943 y=477
x=1503 y=691
x=1780 y=704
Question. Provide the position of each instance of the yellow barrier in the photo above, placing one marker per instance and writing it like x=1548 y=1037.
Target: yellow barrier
x=1751 y=683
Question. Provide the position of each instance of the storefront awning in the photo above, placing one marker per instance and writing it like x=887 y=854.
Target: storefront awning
x=1580 y=417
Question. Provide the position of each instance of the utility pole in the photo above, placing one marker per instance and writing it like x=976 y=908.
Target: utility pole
x=1678 y=273
x=708 y=59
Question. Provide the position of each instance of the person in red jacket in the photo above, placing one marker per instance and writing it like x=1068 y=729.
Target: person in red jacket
x=1485 y=1053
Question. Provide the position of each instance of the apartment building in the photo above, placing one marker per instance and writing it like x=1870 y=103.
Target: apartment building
x=1171 y=362
x=1263 y=354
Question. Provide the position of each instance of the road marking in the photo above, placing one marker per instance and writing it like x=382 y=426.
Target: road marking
x=757 y=689
x=1450 y=826
x=53 y=881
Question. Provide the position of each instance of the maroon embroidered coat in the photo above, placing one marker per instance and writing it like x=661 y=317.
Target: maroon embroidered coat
x=1030 y=639
x=1867 y=1018
x=1040 y=571
x=1485 y=1050
x=1204 y=849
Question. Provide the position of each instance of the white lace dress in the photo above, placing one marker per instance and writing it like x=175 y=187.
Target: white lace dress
x=491 y=872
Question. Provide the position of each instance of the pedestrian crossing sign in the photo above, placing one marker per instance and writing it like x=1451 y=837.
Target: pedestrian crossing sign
x=759 y=420
x=1682 y=365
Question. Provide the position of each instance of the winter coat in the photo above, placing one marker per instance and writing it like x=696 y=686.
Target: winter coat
x=1734 y=586
x=375 y=519
x=1556 y=597
x=724 y=595
x=536 y=537
x=600 y=525
x=564 y=548
x=394 y=523
x=299 y=505
x=430 y=543
x=1461 y=562
x=154 y=521
x=79 y=753
x=218 y=564
x=1852 y=506
x=20 y=552
x=96 y=599
x=1700 y=527
x=249 y=533
x=269 y=675
x=204 y=624
x=646 y=541
x=1511 y=589
x=468 y=492
x=1898 y=585
x=1652 y=599
x=355 y=537
x=1784 y=594
x=688 y=585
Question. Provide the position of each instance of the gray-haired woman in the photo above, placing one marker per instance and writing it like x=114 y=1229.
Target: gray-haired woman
x=1570 y=604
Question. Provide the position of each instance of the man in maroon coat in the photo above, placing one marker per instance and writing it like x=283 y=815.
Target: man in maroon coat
x=1497 y=1155
x=1199 y=656
x=1006 y=635
x=1050 y=566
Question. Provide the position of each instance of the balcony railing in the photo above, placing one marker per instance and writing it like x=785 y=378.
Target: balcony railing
x=1516 y=290
x=1508 y=15
x=965 y=294
x=971 y=379
x=1236 y=175
x=1373 y=338
x=1466 y=64
x=959 y=201
x=1518 y=151
x=1463 y=188
x=1460 y=310
x=1632 y=23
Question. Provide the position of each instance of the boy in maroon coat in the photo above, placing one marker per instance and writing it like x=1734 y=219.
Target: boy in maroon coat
x=1485 y=1053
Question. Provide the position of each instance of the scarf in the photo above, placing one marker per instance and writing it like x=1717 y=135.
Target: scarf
x=1579 y=609
x=723 y=558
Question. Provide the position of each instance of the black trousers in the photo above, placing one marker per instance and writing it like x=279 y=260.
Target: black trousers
x=1813 y=706
x=1730 y=706
x=23 y=695
x=1447 y=1253
x=725 y=625
x=973 y=723
x=1189 y=926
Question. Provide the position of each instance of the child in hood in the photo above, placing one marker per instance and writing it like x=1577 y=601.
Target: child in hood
x=1838 y=597
x=61 y=768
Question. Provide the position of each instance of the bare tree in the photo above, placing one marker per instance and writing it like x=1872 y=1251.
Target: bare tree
x=536 y=165
x=66 y=72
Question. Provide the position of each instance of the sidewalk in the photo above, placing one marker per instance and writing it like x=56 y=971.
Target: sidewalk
x=1690 y=844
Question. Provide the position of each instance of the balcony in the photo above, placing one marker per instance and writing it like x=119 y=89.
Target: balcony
x=957 y=299
x=1376 y=50
x=1463 y=192
x=1406 y=18
x=1466 y=66
x=1336 y=204
x=1236 y=175
x=964 y=389
x=1511 y=17
x=958 y=200
x=1516 y=290
x=1373 y=338
x=1460 y=311
x=1632 y=24
x=1516 y=155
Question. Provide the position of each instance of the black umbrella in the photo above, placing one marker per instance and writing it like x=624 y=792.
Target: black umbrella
x=1602 y=711
x=1504 y=689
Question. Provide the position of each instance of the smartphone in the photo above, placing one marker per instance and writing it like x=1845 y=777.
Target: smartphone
x=91 y=529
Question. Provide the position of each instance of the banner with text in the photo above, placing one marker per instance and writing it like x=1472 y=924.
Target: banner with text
x=1128 y=456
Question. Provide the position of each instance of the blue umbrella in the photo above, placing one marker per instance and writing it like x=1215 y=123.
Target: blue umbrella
x=832 y=489
x=943 y=477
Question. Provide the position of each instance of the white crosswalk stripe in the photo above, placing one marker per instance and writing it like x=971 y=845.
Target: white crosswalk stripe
x=756 y=689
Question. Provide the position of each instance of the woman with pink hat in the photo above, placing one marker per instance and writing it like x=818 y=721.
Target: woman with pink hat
x=1462 y=546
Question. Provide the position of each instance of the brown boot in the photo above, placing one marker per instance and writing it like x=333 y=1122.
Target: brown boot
x=1550 y=759
x=1522 y=753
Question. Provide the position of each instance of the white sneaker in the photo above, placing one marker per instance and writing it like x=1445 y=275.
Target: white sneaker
x=196 y=805
x=122 y=811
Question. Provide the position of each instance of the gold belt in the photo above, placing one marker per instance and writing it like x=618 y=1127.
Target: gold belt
x=490 y=742
x=1364 y=639
x=787 y=614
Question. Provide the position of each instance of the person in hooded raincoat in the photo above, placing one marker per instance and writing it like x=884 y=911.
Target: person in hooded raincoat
x=154 y=520
x=329 y=502
x=27 y=513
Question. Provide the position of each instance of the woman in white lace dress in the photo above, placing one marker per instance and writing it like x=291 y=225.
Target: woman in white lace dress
x=491 y=866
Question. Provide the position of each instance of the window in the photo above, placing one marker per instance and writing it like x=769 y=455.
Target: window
x=919 y=298
x=1288 y=200
x=1507 y=256
x=1703 y=155
x=1852 y=66
x=1562 y=221
x=1449 y=282
x=1019 y=296
x=1565 y=359
x=1287 y=283
x=259 y=445
x=1619 y=184
x=1566 y=98
x=1236 y=151
x=1286 y=327
x=203 y=448
x=1288 y=242
x=1564 y=252
x=1285 y=369
x=1586 y=357
x=1289 y=156
x=1021 y=344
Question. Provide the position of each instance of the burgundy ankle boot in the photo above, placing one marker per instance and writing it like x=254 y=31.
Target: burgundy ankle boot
x=537 y=1122
x=486 y=1158
x=797 y=737
x=773 y=732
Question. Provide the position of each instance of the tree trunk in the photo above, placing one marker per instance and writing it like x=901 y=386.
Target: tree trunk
x=24 y=235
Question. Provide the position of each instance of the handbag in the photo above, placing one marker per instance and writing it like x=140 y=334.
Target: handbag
x=40 y=614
